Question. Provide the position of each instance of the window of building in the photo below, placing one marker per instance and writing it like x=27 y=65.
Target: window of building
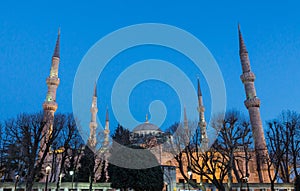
x=181 y=180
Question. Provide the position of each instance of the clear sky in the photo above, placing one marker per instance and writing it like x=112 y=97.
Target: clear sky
x=28 y=31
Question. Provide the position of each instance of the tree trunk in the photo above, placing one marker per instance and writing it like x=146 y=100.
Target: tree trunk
x=221 y=188
x=57 y=185
x=272 y=185
x=91 y=183
x=229 y=184
x=29 y=185
x=297 y=183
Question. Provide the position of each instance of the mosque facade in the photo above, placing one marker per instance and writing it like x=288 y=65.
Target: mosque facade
x=147 y=132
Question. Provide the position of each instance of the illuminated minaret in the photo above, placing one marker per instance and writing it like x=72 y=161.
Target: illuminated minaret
x=50 y=105
x=106 y=130
x=93 y=124
x=252 y=103
x=202 y=123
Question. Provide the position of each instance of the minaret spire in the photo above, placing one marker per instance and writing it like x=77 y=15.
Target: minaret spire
x=199 y=89
x=202 y=123
x=243 y=48
x=93 y=124
x=243 y=53
x=106 y=115
x=252 y=103
x=95 y=90
x=57 y=46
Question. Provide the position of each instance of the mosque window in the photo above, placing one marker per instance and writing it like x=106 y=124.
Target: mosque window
x=181 y=180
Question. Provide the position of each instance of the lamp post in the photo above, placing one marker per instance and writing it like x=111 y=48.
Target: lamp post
x=60 y=177
x=72 y=174
x=17 y=177
x=48 y=170
x=246 y=179
x=190 y=174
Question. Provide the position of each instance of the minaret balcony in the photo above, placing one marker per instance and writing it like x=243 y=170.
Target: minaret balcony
x=52 y=81
x=50 y=105
x=252 y=102
x=93 y=124
x=247 y=77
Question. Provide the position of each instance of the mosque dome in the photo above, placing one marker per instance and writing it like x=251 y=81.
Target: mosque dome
x=146 y=127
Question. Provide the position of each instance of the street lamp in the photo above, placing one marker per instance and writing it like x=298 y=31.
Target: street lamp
x=72 y=174
x=17 y=177
x=245 y=180
x=190 y=174
x=48 y=170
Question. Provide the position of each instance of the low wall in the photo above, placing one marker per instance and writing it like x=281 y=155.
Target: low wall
x=65 y=186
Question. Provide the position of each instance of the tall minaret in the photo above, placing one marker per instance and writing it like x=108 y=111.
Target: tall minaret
x=93 y=124
x=50 y=105
x=202 y=123
x=106 y=130
x=252 y=103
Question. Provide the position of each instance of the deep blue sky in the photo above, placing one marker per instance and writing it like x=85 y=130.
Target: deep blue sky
x=28 y=32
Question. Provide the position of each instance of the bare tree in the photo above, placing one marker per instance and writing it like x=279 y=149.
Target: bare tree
x=220 y=162
x=65 y=147
x=283 y=138
x=277 y=150
x=26 y=133
x=233 y=144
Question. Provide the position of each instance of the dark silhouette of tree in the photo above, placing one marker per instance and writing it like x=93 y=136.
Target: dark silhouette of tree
x=66 y=148
x=150 y=179
x=87 y=164
x=223 y=159
x=283 y=141
x=4 y=168
x=233 y=143
x=93 y=163
x=297 y=183
x=122 y=135
x=277 y=149
x=25 y=134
